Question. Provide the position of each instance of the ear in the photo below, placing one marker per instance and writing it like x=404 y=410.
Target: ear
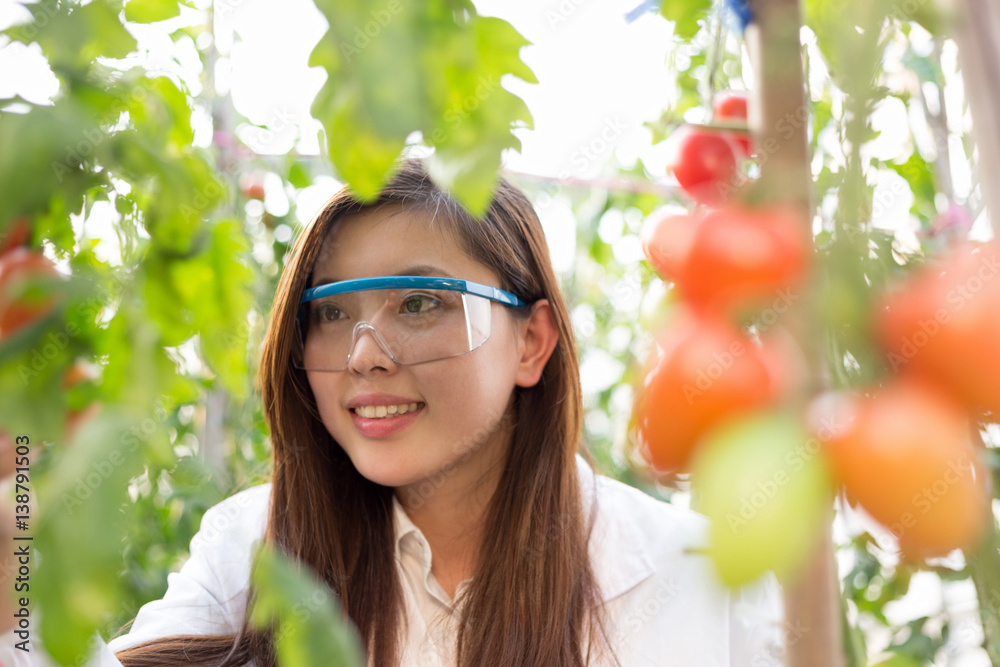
x=539 y=336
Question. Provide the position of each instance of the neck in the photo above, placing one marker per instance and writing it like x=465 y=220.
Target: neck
x=450 y=507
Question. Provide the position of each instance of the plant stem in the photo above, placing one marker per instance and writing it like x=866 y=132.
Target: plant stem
x=984 y=564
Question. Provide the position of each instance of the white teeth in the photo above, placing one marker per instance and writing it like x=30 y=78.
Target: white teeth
x=383 y=411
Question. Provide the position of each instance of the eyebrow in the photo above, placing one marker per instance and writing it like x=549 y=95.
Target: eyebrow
x=418 y=270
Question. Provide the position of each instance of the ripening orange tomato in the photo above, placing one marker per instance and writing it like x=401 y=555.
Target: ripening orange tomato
x=703 y=372
x=741 y=257
x=666 y=241
x=944 y=322
x=907 y=458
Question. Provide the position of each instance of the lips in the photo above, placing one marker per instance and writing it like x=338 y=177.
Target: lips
x=383 y=427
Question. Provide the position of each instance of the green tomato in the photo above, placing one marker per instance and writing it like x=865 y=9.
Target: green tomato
x=764 y=484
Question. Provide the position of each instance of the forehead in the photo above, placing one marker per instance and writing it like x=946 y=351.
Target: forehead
x=392 y=240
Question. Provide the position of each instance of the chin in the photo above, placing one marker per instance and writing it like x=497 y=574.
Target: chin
x=387 y=468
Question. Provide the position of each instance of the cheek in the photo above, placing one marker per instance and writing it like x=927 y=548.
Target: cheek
x=324 y=389
x=477 y=391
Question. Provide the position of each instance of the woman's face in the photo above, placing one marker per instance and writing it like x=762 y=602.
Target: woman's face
x=455 y=431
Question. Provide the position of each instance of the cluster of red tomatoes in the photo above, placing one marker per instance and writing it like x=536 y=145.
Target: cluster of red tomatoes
x=910 y=452
x=705 y=161
x=726 y=259
x=714 y=388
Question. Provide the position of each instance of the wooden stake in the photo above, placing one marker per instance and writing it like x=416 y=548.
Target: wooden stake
x=979 y=53
x=779 y=117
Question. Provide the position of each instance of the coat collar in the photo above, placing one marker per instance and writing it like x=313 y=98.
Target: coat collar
x=618 y=555
x=617 y=545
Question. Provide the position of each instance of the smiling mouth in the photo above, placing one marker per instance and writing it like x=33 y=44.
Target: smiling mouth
x=386 y=411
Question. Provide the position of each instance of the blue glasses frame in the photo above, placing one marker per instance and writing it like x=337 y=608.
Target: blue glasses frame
x=427 y=282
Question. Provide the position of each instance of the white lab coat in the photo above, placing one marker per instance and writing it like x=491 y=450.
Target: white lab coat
x=665 y=606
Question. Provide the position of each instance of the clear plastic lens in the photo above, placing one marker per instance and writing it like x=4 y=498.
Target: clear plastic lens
x=411 y=326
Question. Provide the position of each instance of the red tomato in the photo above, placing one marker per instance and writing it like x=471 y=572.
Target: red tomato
x=703 y=372
x=732 y=105
x=704 y=164
x=252 y=185
x=945 y=324
x=908 y=460
x=17 y=234
x=742 y=257
x=18 y=268
x=666 y=241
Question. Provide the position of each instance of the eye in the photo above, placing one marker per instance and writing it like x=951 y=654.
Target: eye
x=414 y=304
x=327 y=312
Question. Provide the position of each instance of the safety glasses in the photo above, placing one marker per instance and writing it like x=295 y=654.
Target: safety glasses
x=414 y=319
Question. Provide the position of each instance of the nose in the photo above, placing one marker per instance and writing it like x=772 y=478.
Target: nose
x=369 y=351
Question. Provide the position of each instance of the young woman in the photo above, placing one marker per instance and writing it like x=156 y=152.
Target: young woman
x=420 y=380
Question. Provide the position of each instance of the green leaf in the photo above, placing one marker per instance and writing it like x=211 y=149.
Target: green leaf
x=150 y=11
x=80 y=530
x=310 y=628
x=222 y=310
x=919 y=174
x=298 y=176
x=433 y=68
x=685 y=14
x=73 y=36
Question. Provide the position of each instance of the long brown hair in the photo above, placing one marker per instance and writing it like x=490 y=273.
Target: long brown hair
x=534 y=599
